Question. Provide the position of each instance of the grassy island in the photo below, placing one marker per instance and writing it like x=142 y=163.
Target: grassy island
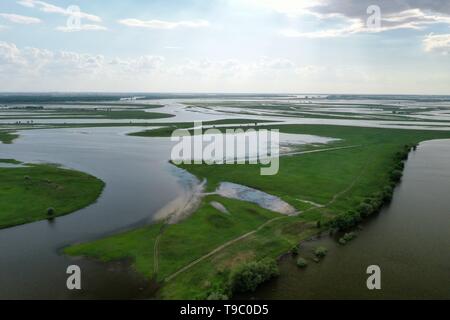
x=32 y=192
x=7 y=137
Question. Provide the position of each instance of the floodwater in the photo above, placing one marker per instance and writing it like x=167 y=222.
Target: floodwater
x=139 y=183
x=141 y=186
x=264 y=200
x=409 y=240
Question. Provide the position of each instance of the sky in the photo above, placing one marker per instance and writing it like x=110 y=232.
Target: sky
x=229 y=46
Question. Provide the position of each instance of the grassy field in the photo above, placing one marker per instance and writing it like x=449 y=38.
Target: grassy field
x=7 y=137
x=338 y=180
x=29 y=191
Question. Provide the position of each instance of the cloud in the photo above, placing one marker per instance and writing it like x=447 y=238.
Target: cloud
x=353 y=15
x=437 y=43
x=31 y=61
x=353 y=26
x=278 y=63
x=16 y=18
x=288 y=7
x=82 y=27
x=138 y=65
x=9 y=54
x=71 y=11
x=358 y=9
x=160 y=24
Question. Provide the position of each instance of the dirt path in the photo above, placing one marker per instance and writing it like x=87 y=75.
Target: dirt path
x=317 y=151
x=223 y=246
x=227 y=244
x=156 y=255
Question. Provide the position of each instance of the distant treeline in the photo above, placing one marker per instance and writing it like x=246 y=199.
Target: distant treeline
x=111 y=97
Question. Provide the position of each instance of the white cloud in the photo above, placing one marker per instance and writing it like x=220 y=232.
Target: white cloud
x=399 y=14
x=34 y=61
x=353 y=26
x=141 y=64
x=50 y=8
x=9 y=54
x=160 y=24
x=279 y=64
x=437 y=43
x=82 y=27
x=288 y=7
x=16 y=18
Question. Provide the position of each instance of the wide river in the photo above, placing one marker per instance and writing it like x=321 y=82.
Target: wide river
x=409 y=240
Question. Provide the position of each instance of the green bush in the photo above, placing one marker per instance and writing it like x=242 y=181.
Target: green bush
x=347 y=238
x=365 y=209
x=302 y=263
x=396 y=175
x=294 y=250
x=346 y=221
x=249 y=276
x=320 y=252
x=388 y=192
x=217 y=296
x=50 y=211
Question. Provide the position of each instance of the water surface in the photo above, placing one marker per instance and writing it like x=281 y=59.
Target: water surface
x=139 y=183
x=409 y=240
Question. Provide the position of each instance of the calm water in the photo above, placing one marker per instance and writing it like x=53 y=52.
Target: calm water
x=139 y=182
x=409 y=240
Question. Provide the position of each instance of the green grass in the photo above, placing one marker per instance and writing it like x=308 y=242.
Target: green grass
x=10 y=161
x=136 y=245
x=7 y=137
x=26 y=193
x=180 y=243
x=340 y=179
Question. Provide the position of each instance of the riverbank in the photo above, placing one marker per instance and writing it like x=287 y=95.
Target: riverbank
x=321 y=186
x=33 y=192
x=407 y=240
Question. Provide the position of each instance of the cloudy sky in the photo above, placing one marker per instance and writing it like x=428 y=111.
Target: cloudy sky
x=272 y=46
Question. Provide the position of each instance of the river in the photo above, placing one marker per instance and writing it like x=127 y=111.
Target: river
x=409 y=240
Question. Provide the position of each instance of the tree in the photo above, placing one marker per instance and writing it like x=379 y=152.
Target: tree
x=249 y=276
x=302 y=263
x=320 y=252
